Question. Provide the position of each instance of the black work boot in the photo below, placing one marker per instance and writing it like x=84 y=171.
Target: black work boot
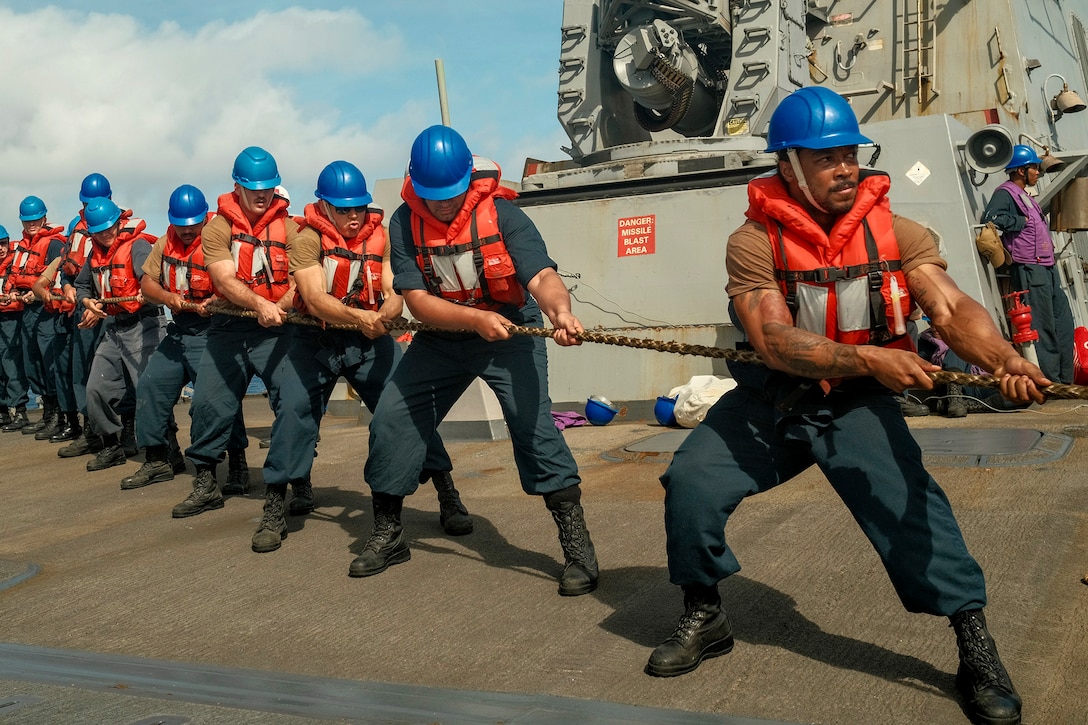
x=128 y=436
x=703 y=631
x=273 y=527
x=386 y=546
x=112 y=454
x=237 y=473
x=452 y=514
x=48 y=406
x=955 y=407
x=302 y=500
x=18 y=421
x=981 y=678
x=154 y=470
x=205 y=496
x=52 y=425
x=69 y=430
x=5 y=416
x=87 y=443
x=580 y=574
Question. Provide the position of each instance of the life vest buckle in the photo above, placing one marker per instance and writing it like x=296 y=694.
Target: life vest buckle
x=828 y=274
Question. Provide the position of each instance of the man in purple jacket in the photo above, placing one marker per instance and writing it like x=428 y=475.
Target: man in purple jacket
x=1026 y=235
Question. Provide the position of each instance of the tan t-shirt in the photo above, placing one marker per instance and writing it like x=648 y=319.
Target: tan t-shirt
x=153 y=263
x=749 y=258
x=305 y=250
x=50 y=272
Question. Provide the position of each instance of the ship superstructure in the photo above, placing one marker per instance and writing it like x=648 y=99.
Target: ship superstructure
x=666 y=104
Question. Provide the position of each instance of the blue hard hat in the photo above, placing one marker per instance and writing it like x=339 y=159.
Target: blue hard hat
x=94 y=186
x=1022 y=156
x=101 y=214
x=4 y=232
x=187 y=206
x=256 y=169
x=441 y=164
x=31 y=208
x=342 y=184
x=813 y=118
x=599 y=411
x=665 y=410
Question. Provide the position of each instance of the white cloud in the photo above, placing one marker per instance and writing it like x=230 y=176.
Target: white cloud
x=154 y=108
x=153 y=104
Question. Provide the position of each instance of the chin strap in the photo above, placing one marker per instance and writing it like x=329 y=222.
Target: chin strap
x=791 y=154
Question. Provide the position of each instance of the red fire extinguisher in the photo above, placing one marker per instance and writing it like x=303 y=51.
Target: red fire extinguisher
x=1020 y=317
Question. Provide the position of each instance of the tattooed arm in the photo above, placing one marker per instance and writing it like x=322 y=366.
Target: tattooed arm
x=766 y=318
x=968 y=329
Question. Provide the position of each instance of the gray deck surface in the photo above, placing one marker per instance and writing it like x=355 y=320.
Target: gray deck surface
x=136 y=617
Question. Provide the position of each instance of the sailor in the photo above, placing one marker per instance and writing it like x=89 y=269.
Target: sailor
x=810 y=282
x=340 y=264
x=245 y=251
x=108 y=291
x=48 y=289
x=465 y=258
x=176 y=276
x=1026 y=236
x=13 y=392
x=76 y=360
x=41 y=243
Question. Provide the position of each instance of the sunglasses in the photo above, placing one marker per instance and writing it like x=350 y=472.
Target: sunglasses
x=345 y=210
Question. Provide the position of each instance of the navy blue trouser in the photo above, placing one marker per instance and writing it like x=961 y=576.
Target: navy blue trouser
x=368 y=366
x=59 y=362
x=1050 y=317
x=437 y=368
x=13 y=385
x=36 y=340
x=82 y=345
x=282 y=357
x=863 y=446
x=121 y=356
x=170 y=368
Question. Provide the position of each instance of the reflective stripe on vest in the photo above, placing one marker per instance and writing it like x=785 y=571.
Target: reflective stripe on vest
x=261 y=264
x=80 y=245
x=352 y=267
x=837 y=285
x=183 y=271
x=112 y=270
x=473 y=269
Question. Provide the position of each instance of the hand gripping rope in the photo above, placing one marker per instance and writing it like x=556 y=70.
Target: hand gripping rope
x=1056 y=390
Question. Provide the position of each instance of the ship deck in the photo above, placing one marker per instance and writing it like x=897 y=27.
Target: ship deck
x=112 y=612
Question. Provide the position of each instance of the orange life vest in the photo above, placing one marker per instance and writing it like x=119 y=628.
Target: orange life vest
x=8 y=305
x=353 y=268
x=838 y=285
x=78 y=249
x=183 y=271
x=259 y=251
x=30 y=257
x=466 y=261
x=111 y=269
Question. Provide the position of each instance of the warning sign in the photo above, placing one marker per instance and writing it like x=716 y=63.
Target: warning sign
x=637 y=235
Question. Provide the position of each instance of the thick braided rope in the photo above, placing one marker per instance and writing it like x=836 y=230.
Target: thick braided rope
x=1057 y=390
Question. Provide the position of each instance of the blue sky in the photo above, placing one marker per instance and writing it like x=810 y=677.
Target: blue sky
x=154 y=95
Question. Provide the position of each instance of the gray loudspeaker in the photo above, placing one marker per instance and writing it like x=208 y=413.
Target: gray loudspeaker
x=989 y=149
